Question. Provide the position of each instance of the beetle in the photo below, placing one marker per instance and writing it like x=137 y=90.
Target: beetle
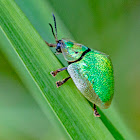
x=90 y=70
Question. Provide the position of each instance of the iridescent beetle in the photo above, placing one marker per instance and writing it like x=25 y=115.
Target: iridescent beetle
x=90 y=70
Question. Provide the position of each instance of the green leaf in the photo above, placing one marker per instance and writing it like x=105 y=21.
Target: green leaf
x=71 y=108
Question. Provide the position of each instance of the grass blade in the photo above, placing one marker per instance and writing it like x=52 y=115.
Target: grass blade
x=72 y=109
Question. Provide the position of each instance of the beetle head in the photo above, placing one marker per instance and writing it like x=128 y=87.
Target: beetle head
x=58 y=46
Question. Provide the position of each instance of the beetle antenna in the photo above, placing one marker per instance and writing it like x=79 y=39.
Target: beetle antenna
x=55 y=26
x=55 y=35
x=52 y=31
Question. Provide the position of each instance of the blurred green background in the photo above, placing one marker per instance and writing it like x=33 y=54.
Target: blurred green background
x=112 y=27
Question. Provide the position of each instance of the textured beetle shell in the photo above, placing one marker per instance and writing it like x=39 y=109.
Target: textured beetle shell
x=93 y=76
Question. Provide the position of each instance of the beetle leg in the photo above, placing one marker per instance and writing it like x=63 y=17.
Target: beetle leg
x=96 y=114
x=54 y=73
x=59 y=83
x=50 y=45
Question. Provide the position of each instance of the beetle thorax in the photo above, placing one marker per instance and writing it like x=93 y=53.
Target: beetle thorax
x=72 y=51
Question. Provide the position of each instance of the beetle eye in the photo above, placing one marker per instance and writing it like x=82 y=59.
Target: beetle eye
x=76 y=52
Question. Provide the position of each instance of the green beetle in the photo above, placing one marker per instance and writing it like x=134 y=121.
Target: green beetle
x=90 y=70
